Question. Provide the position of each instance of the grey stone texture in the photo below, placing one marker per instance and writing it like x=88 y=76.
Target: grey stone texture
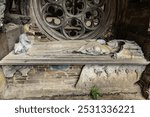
x=118 y=49
x=23 y=45
x=111 y=79
x=2 y=9
x=45 y=83
x=9 y=38
x=2 y=82
x=9 y=71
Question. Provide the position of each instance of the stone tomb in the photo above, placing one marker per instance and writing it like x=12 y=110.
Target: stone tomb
x=114 y=67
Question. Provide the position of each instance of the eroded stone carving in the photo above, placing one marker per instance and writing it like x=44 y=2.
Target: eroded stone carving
x=111 y=77
x=9 y=71
x=118 y=49
x=24 y=44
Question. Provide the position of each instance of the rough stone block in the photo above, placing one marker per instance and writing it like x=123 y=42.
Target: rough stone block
x=9 y=38
x=111 y=79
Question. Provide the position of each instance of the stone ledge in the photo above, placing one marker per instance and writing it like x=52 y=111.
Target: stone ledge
x=43 y=53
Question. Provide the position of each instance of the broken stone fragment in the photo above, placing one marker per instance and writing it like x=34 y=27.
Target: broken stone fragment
x=100 y=47
x=110 y=78
x=117 y=49
x=23 y=45
x=125 y=53
x=114 y=43
x=94 y=48
x=130 y=50
x=24 y=71
x=9 y=71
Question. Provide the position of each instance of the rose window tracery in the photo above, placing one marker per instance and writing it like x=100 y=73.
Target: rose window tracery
x=72 y=19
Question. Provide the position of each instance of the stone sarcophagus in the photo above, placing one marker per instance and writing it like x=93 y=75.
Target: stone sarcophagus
x=79 y=52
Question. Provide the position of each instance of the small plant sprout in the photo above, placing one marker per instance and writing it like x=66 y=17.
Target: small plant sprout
x=95 y=93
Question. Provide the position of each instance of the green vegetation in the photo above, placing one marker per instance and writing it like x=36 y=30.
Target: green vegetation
x=95 y=93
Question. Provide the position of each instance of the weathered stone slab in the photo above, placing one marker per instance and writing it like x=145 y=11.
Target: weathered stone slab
x=110 y=79
x=43 y=81
x=65 y=52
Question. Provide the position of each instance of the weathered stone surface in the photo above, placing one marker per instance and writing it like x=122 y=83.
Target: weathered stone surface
x=2 y=82
x=100 y=48
x=113 y=78
x=2 y=9
x=118 y=49
x=13 y=32
x=9 y=38
x=94 y=48
x=43 y=81
x=130 y=51
x=23 y=45
x=9 y=71
x=4 y=50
